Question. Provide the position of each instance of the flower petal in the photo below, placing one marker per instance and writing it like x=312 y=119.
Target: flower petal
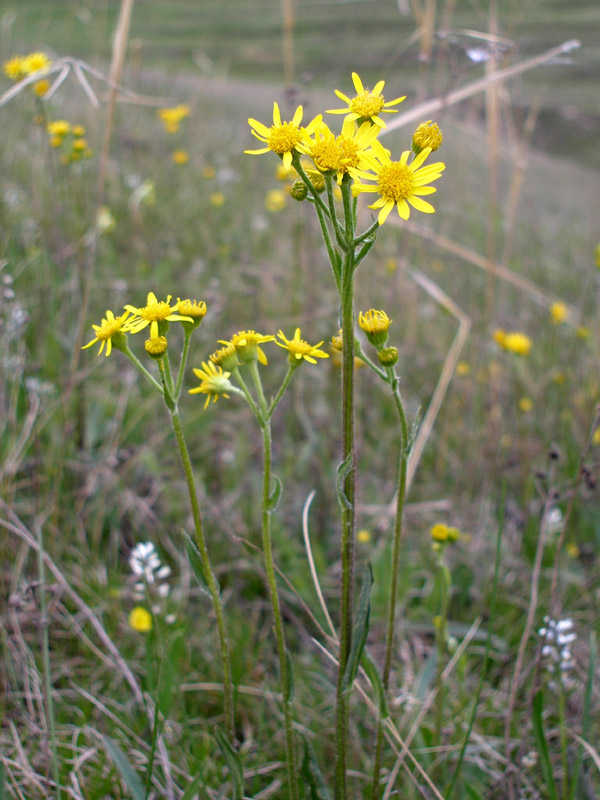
x=421 y=205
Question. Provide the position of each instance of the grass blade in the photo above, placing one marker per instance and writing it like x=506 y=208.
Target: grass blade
x=128 y=773
x=234 y=762
x=540 y=736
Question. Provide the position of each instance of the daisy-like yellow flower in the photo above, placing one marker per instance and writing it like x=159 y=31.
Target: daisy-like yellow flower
x=366 y=104
x=110 y=328
x=78 y=130
x=400 y=183
x=36 y=62
x=214 y=382
x=154 y=312
x=60 y=127
x=247 y=345
x=79 y=145
x=172 y=117
x=439 y=532
x=346 y=153
x=283 y=138
x=300 y=350
x=559 y=312
x=517 y=342
x=428 y=134
x=180 y=157
x=192 y=308
x=217 y=199
x=226 y=357
x=375 y=324
x=140 y=620
x=41 y=87
x=14 y=68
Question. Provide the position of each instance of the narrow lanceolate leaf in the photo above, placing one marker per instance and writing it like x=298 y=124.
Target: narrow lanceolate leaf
x=316 y=788
x=343 y=470
x=544 y=753
x=234 y=762
x=275 y=494
x=129 y=775
x=195 y=561
x=359 y=630
x=370 y=667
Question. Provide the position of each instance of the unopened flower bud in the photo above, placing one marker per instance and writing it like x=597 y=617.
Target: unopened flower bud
x=298 y=190
x=427 y=134
x=156 y=347
x=375 y=324
x=388 y=356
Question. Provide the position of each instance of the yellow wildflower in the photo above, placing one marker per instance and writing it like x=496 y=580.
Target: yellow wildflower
x=366 y=104
x=285 y=173
x=180 y=157
x=14 y=68
x=499 y=336
x=375 y=324
x=217 y=199
x=41 y=87
x=518 y=343
x=572 y=550
x=300 y=350
x=214 y=382
x=156 y=346
x=140 y=620
x=558 y=312
x=282 y=138
x=79 y=145
x=226 y=357
x=36 y=62
x=56 y=141
x=427 y=134
x=346 y=153
x=78 y=130
x=583 y=332
x=596 y=436
x=364 y=536
x=526 y=404
x=172 y=117
x=462 y=368
x=275 y=200
x=439 y=532
x=247 y=345
x=155 y=312
x=59 y=127
x=192 y=308
x=400 y=183
x=209 y=172
x=110 y=328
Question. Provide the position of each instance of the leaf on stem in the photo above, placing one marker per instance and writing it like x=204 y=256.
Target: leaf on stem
x=275 y=494
x=195 y=561
x=316 y=787
x=234 y=762
x=359 y=630
x=343 y=470
x=121 y=762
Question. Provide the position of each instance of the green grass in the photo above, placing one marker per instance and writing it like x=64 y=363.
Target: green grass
x=100 y=469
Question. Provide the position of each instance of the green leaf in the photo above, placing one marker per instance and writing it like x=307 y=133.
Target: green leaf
x=370 y=667
x=128 y=773
x=195 y=561
x=311 y=772
x=342 y=472
x=359 y=630
x=234 y=762
x=274 y=498
x=544 y=753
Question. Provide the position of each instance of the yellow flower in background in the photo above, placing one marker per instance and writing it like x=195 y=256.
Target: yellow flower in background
x=153 y=313
x=572 y=550
x=583 y=332
x=217 y=199
x=518 y=343
x=110 y=328
x=462 y=368
x=56 y=141
x=282 y=138
x=597 y=255
x=439 y=532
x=300 y=350
x=14 y=68
x=105 y=221
x=283 y=173
x=172 y=117
x=427 y=134
x=526 y=404
x=209 y=172
x=275 y=200
x=400 y=183
x=364 y=536
x=499 y=336
x=247 y=345
x=140 y=620
x=366 y=104
x=558 y=312
x=180 y=157
x=41 y=87
x=36 y=62
x=59 y=127
x=78 y=130
x=214 y=382
x=79 y=145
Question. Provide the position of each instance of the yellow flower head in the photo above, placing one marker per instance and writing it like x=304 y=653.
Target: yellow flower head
x=78 y=130
x=14 y=68
x=439 y=532
x=462 y=368
x=41 y=87
x=346 y=153
x=247 y=345
x=59 y=127
x=400 y=183
x=36 y=62
x=217 y=199
x=226 y=357
x=283 y=138
x=140 y=620
x=337 y=341
x=180 y=157
x=427 y=134
x=56 y=141
x=79 y=145
x=156 y=346
x=214 y=382
x=155 y=312
x=526 y=404
x=559 y=312
x=366 y=104
x=518 y=343
x=110 y=331
x=499 y=336
x=285 y=173
x=275 y=200
x=172 y=117
x=192 y=308
x=597 y=255
x=375 y=324
x=583 y=332
x=363 y=536
x=300 y=350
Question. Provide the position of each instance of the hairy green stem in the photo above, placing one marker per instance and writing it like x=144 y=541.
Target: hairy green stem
x=187 y=334
x=278 y=620
x=211 y=581
x=393 y=590
x=139 y=366
x=282 y=388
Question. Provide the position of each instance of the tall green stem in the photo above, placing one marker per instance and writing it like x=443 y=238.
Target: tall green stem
x=347 y=501
x=208 y=573
x=393 y=590
x=274 y=597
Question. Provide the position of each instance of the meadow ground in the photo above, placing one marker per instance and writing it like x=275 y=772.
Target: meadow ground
x=89 y=467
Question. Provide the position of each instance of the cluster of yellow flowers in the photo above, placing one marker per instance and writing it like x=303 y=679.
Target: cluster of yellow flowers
x=356 y=153
x=444 y=534
x=19 y=67
x=513 y=342
x=69 y=139
x=244 y=347
x=172 y=117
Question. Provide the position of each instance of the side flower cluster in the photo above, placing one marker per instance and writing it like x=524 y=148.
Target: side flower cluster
x=356 y=154
x=559 y=637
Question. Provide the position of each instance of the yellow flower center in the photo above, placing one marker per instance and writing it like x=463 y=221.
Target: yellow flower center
x=284 y=138
x=326 y=154
x=367 y=104
x=108 y=328
x=156 y=311
x=395 y=182
x=348 y=153
x=299 y=348
x=428 y=134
